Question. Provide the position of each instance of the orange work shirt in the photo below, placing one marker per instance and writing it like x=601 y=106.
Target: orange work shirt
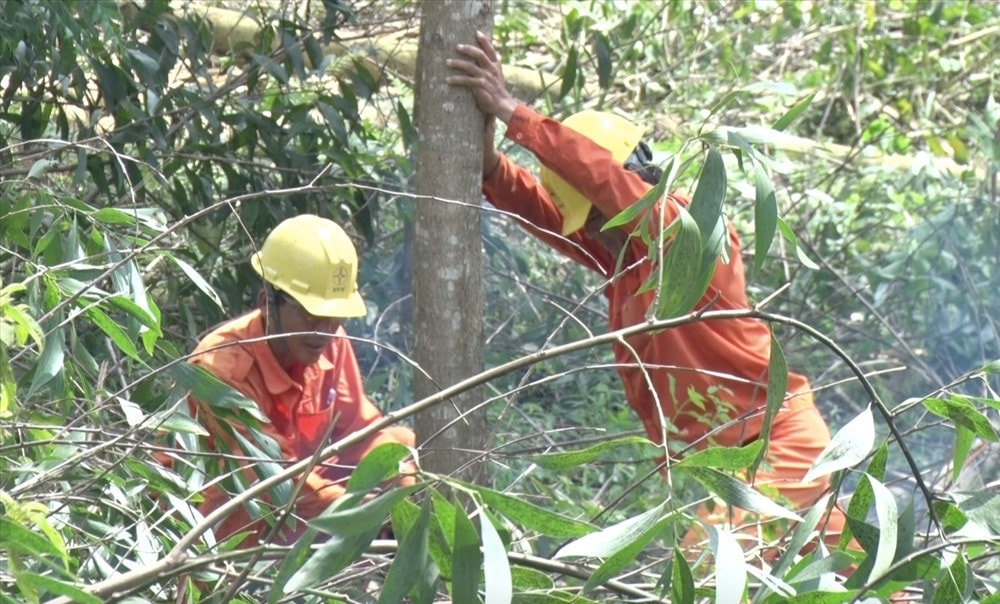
x=695 y=371
x=300 y=411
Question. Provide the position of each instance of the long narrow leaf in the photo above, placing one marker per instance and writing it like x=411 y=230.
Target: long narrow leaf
x=377 y=466
x=681 y=288
x=777 y=386
x=730 y=567
x=793 y=113
x=609 y=540
x=366 y=517
x=739 y=494
x=567 y=460
x=50 y=363
x=499 y=587
x=532 y=516
x=885 y=510
x=723 y=458
x=411 y=562
x=625 y=556
x=199 y=281
x=56 y=587
x=467 y=559
x=765 y=220
x=849 y=446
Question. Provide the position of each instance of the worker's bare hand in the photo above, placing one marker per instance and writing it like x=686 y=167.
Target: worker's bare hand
x=481 y=72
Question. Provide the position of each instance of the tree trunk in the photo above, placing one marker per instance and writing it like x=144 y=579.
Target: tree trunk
x=447 y=248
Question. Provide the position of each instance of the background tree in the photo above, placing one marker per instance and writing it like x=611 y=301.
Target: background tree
x=447 y=243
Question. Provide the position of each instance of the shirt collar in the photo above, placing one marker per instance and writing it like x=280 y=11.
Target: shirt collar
x=276 y=379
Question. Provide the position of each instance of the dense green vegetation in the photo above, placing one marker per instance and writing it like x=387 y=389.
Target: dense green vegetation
x=142 y=158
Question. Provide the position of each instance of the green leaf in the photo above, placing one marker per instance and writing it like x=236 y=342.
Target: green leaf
x=114 y=216
x=364 y=518
x=350 y=530
x=958 y=409
x=113 y=331
x=682 y=581
x=964 y=438
x=527 y=579
x=567 y=460
x=499 y=587
x=532 y=516
x=793 y=113
x=863 y=496
x=50 y=363
x=377 y=466
x=569 y=73
x=19 y=539
x=739 y=494
x=789 y=236
x=885 y=510
x=442 y=539
x=609 y=540
x=730 y=567
x=849 y=446
x=602 y=48
x=411 y=561
x=198 y=280
x=211 y=390
x=951 y=585
x=724 y=458
x=765 y=220
x=626 y=555
x=683 y=279
x=800 y=536
x=331 y=557
x=777 y=386
x=281 y=493
x=293 y=561
x=56 y=587
x=982 y=508
x=650 y=199
x=271 y=66
x=466 y=561
x=177 y=422
x=706 y=206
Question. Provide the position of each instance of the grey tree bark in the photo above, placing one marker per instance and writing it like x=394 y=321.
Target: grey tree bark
x=447 y=249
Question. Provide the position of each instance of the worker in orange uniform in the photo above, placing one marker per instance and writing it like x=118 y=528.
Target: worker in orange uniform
x=593 y=169
x=303 y=381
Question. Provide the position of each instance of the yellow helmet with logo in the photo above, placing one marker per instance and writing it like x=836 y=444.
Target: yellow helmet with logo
x=314 y=261
x=610 y=131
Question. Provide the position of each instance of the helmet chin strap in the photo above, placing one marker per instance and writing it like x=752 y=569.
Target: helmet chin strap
x=271 y=311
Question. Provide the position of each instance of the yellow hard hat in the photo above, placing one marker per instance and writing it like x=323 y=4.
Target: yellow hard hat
x=314 y=261
x=610 y=131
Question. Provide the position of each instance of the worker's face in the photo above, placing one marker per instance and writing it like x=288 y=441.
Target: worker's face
x=612 y=239
x=304 y=348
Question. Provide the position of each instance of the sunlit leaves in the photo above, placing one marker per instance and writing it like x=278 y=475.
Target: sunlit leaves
x=737 y=493
x=963 y=413
x=730 y=567
x=885 y=509
x=612 y=539
x=565 y=460
x=533 y=516
x=848 y=447
x=499 y=588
